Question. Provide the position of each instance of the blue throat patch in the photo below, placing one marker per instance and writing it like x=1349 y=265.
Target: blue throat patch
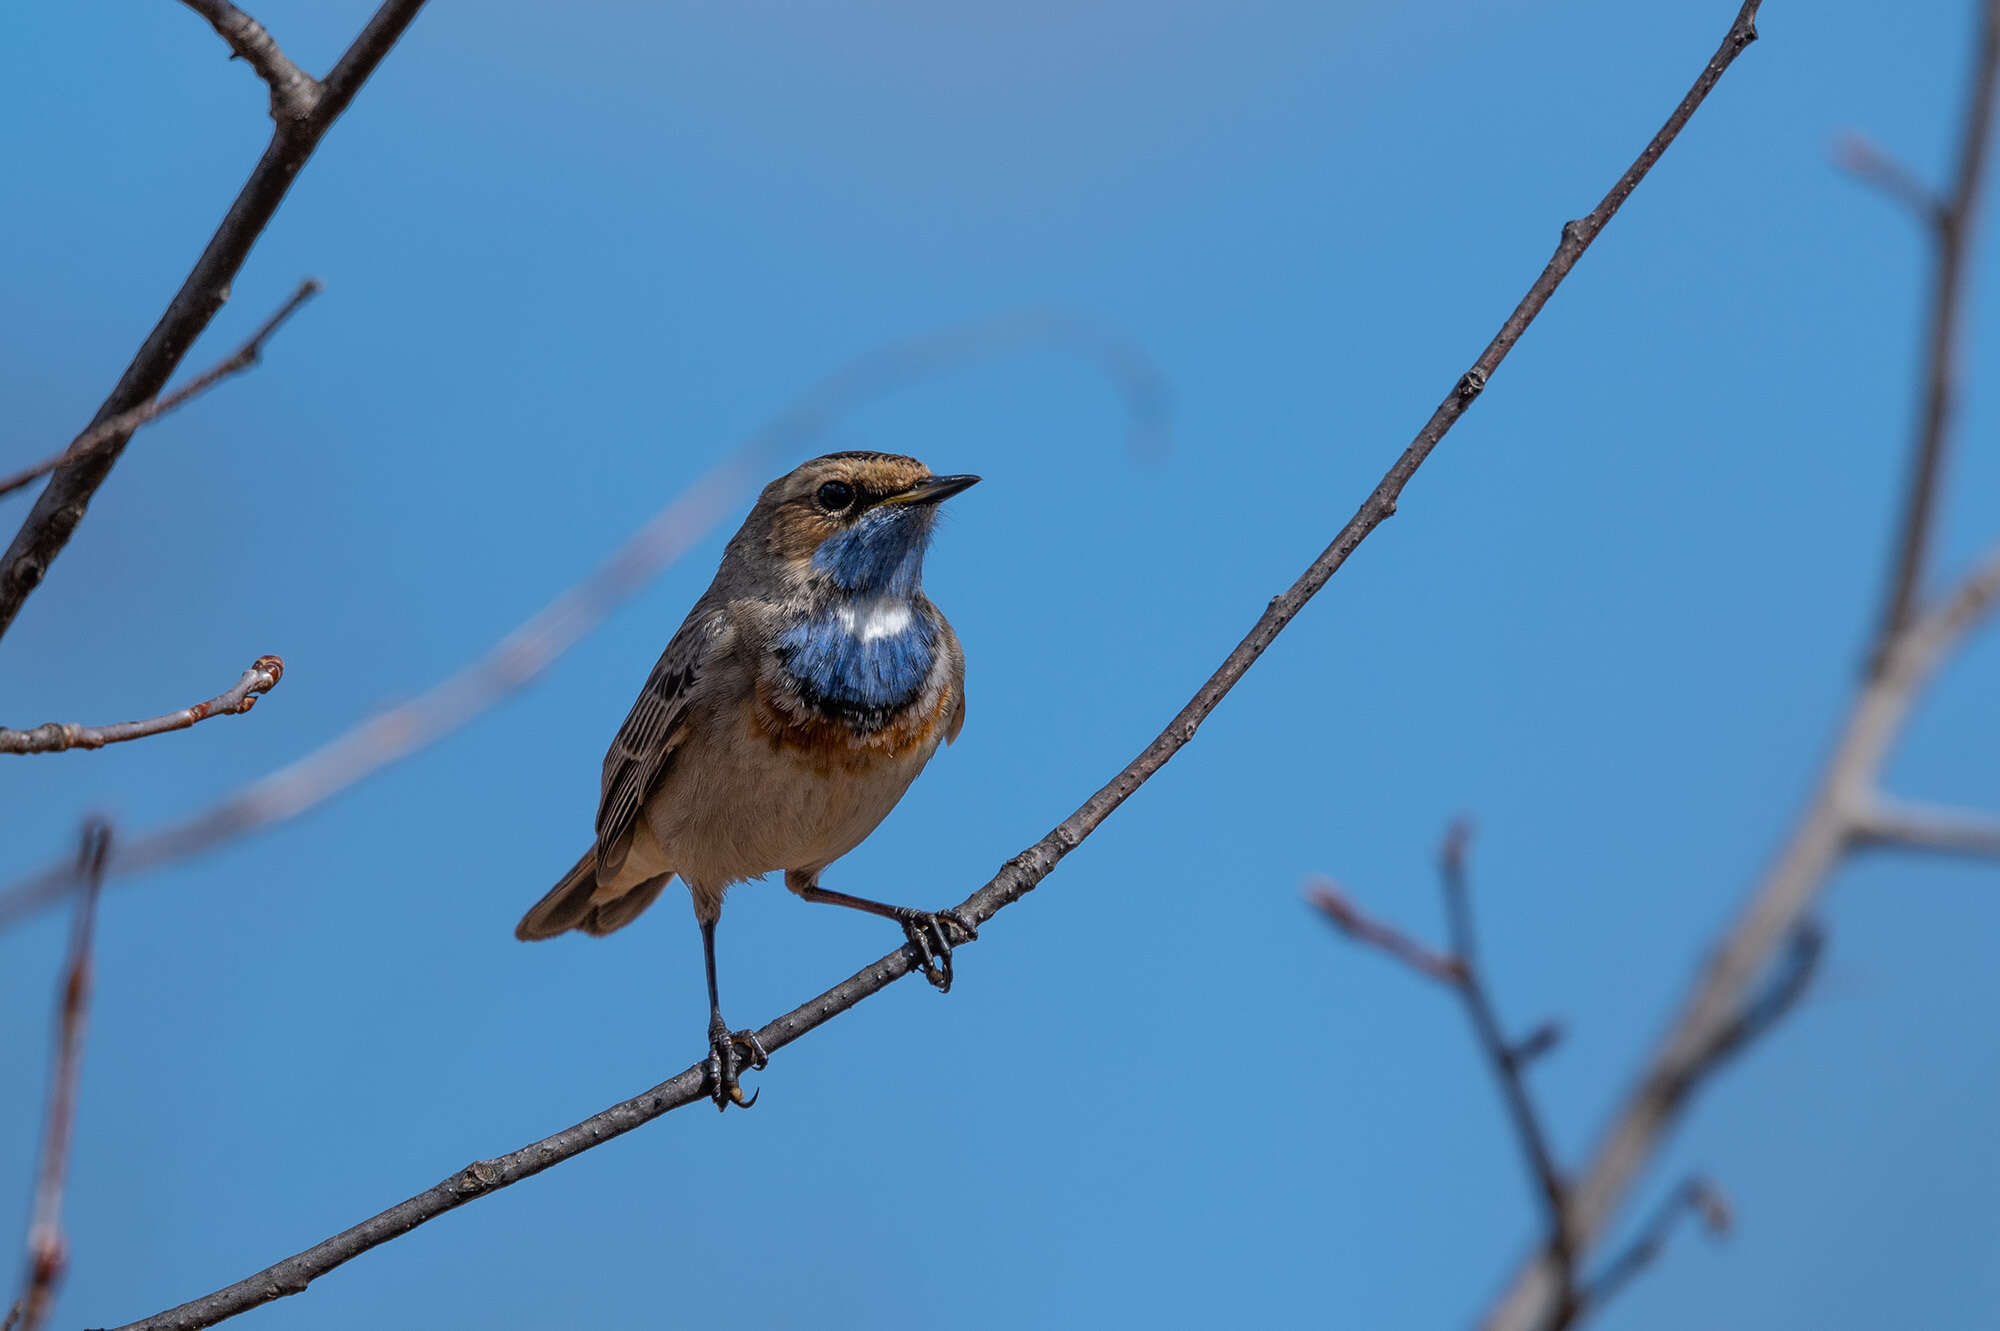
x=839 y=664
x=864 y=681
x=881 y=555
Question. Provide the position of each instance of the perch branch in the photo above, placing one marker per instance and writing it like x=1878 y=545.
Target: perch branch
x=262 y=676
x=1952 y=228
x=47 y=1254
x=124 y=423
x=1025 y=871
x=63 y=501
x=521 y=656
x=295 y=94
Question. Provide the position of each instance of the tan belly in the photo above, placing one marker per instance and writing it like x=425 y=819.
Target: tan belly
x=728 y=812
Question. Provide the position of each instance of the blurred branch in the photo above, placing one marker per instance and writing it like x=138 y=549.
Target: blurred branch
x=1917 y=827
x=1025 y=871
x=1710 y=1027
x=1460 y=970
x=63 y=501
x=1951 y=229
x=1350 y=920
x=124 y=423
x=1844 y=813
x=524 y=654
x=46 y=1250
x=1782 y=992
x=262 y=676
x=1499 y=1051
x=1696 y=1197
x=1860 y=158
x=295 y=94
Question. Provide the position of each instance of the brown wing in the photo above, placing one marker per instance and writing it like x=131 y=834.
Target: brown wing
x=644 y=750
x=956 y=721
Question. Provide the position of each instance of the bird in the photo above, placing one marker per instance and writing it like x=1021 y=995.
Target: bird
x=805 y=691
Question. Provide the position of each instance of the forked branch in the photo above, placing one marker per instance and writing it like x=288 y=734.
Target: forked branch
x=295 y=94
x=64 y=500
x=122 y=425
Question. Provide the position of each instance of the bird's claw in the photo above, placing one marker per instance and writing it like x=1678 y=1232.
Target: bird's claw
x=725 y=1061
x=933 y=943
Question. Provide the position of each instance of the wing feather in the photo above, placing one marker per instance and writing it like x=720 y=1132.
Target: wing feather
x=643 y=752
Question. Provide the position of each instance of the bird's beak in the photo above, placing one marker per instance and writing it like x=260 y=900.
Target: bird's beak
x=933 y=491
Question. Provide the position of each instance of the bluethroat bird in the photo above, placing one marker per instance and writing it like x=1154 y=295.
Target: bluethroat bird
x=807 y=688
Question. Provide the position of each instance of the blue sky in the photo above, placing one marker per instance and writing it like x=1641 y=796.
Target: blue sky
x=569 y=259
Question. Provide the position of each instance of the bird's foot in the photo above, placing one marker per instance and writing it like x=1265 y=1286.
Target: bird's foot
x=930 y=933
x=728 y=1054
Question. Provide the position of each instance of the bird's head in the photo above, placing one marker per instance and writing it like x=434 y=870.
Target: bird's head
x=857 y=523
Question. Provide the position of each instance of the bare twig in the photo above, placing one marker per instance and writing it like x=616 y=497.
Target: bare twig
x=1952 y=233
x=522 y=656
x=1350 y=920
x=262 y=676
x=63 y=501
x=295 y=94
x=1696 y=1197
x=1919 y=827
x=1493 y=1042
x=1860 y=158
x=1536 y=1043
x=124 y=423
x=46 y=1251
x=1459 y=970
x=1025 y=871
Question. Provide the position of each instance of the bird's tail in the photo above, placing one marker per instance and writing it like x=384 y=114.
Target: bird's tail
x=573 y=903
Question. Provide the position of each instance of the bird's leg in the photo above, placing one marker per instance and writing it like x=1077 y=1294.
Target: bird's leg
x=724 y=1058
x=924 y=928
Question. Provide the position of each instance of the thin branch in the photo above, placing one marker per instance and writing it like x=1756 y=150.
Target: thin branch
x=56 y=736
x=295 y=94
x=47 y=1254
x=1459 y=970
x=1795 y=972
x=1536 y=1043
x=1025 y=871
x=1352 y=921
x=122 y=425
x=66 y=497
x=1696 y=1197
x=1499 y=1051
x=525 y=653
x=1860 y=158
x=1952 y=233
x=1922 y=827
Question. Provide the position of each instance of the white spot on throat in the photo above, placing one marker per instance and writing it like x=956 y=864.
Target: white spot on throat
x=867 y=621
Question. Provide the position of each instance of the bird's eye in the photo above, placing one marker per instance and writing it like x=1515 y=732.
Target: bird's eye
x=836 y=496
